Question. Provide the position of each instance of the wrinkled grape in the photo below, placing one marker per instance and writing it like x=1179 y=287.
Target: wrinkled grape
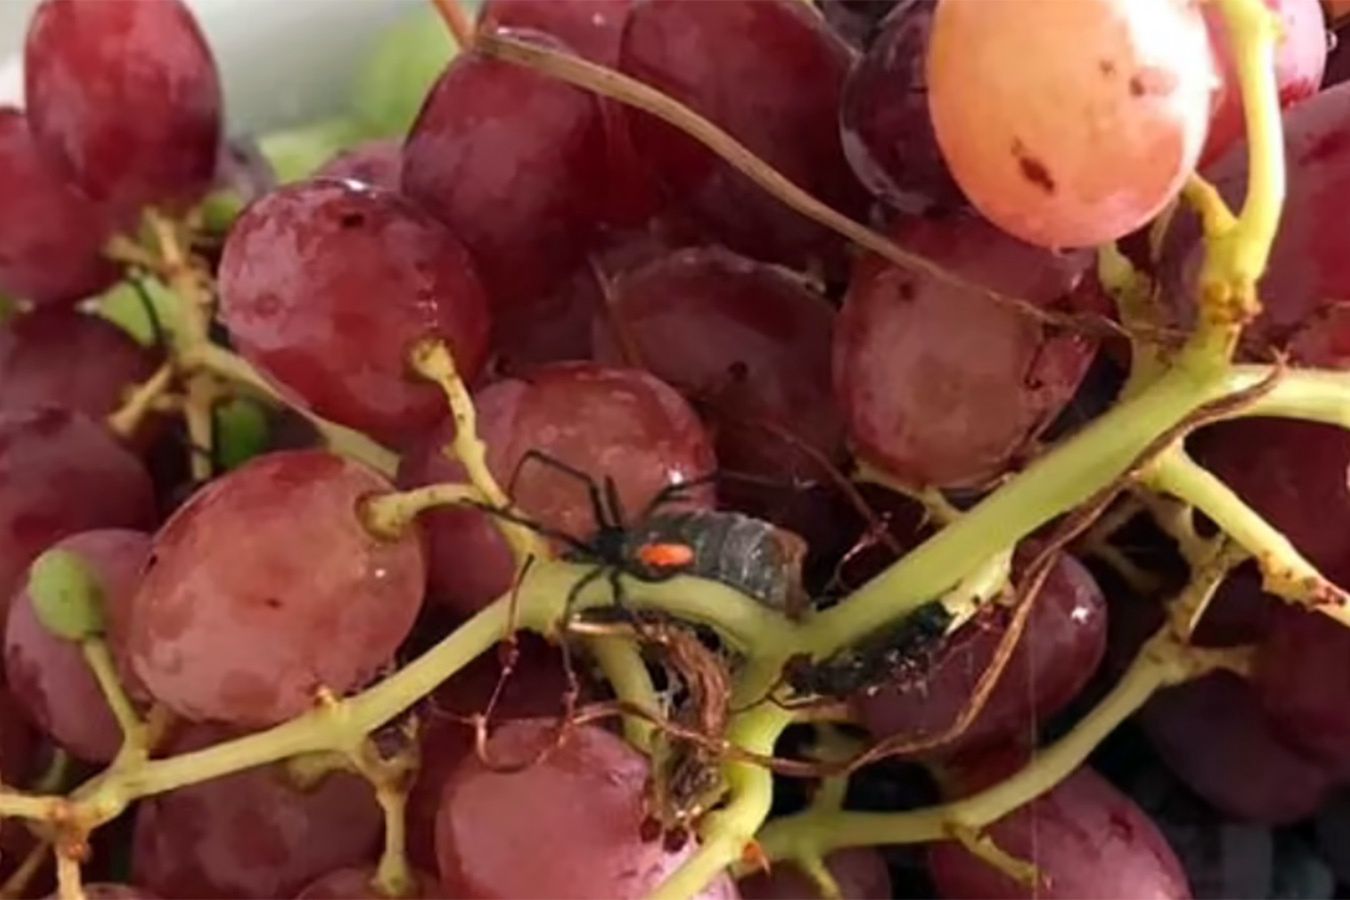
x=327 y=285
x=1070 y=124
x=265 y=586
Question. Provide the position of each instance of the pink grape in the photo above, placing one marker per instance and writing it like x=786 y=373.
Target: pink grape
x=36 y=353
x=1070 y=124
x=1213 y=735
x=355 y=883
x=378 y=163
x=1064 y=641
x=618 y=422
x=252 y=833
x=770 y=72
x=860 y=873
x=60 y=474
x=51 y=235
x=1300 y=58
x=232 y=624
x=884 y=124
x=1088 y=841
x=48 y=674
x=748 y=338
x=326 y=286
x=584 y=802
x=520 y=190
x=941 y=385
x=126 y=98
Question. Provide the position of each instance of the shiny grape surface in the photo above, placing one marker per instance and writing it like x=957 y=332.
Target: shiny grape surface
x=941 y=385
x=235 y=623
x=378 y=163
x=1070 y=124
x=36 y=353
x=125 y=98
x=327 y=285
x=61 y=473
x=51 y=235
x=48 y=674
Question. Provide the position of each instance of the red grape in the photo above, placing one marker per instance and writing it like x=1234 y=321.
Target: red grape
x=56 y=357
x=60 y=474
x=941 y=385
x=860 y=873
x=51 y=235
x=1087 y=840
x=108 y=891
x=355 y=883
x=1063 y=643
x=1300 y=58
x=617 y=422
x=1070 y=124
x=378 y=163
x=858 y=21
x=748 y=337
x=884 y=123
x=1302 y=673
x=554 y=327
x=125 y=96
x=584 y=803
x=253 y=833
x=1212 y=734
x=265 y=587
x=48 y=674
x=17 y=741
x=770 y=73
x=512 y=162
x=326 y=285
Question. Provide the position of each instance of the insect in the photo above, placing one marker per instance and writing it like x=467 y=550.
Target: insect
x=751 y=555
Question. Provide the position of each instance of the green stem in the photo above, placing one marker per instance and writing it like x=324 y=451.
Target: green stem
x=100 y=662
x=393 y=876
x=621 y=661
x=1313 y=395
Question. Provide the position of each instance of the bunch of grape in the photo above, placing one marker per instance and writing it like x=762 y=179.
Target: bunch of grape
x=517 y=488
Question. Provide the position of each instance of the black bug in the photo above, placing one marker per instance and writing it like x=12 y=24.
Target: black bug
x=753 y=556
x=909 y=646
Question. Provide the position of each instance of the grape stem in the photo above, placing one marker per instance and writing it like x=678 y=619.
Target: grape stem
x=135 y=735
x=458 y=21
x=17 y=883
x=69 y=886
x=622 y=664
x=140 y=402
x=390 y=515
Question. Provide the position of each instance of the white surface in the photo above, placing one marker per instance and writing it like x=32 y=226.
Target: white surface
x=282 y=60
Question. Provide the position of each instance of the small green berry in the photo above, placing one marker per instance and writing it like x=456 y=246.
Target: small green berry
x=66 y=595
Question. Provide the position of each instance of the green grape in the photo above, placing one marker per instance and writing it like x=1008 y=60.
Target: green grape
x=296 y=153
x=406 y=59
x=66 y=595
x=220 y=209
x=241 y=432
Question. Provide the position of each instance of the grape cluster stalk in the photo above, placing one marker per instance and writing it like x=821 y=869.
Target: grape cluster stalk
x=1132 y=450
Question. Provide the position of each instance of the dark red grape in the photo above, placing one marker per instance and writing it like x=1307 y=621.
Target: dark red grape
x=105 y=890
x=1300 y=57
x=56 y=357
x=60 y=474
x=1088 y=841
x=1212 y=734
x=48 y=674
x=584 y=802
x=1063 y=643
x=126 y=98
x=860 y=873
x=253 y=833
x=554 y=327
x=770 y=73
x=749 y=339
x=355 y=883
x=884 y=123
x=265 y=586
x=943 y=386
x=1338 y=58
x=18 y=743
x=326 y=286
x=51 y=235
x=1333 y=834
x=857 y=21
x=617 y=422
x=378 y=163
x=1302 y=673
x=512 y=162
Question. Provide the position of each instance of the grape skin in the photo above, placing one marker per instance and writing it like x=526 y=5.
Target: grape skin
x=60 y=474
x=48 y=674
x=1302 y=670
x=618 y=422
x=1070 y=124
x=584 y=803
x=126 y=98
x=378 y=163
x=51 y=235
x=265 y=586
x=327 y=285
x=36 y=350
x=860 y=873
x=940 y=385
x=251 y=833
x=355 y=883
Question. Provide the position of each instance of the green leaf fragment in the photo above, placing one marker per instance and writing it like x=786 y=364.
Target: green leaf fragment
x=406 y=60
x=297 y=153
x=66 y=595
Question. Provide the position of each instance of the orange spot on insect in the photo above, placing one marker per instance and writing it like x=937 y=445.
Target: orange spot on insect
x=665 y=556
